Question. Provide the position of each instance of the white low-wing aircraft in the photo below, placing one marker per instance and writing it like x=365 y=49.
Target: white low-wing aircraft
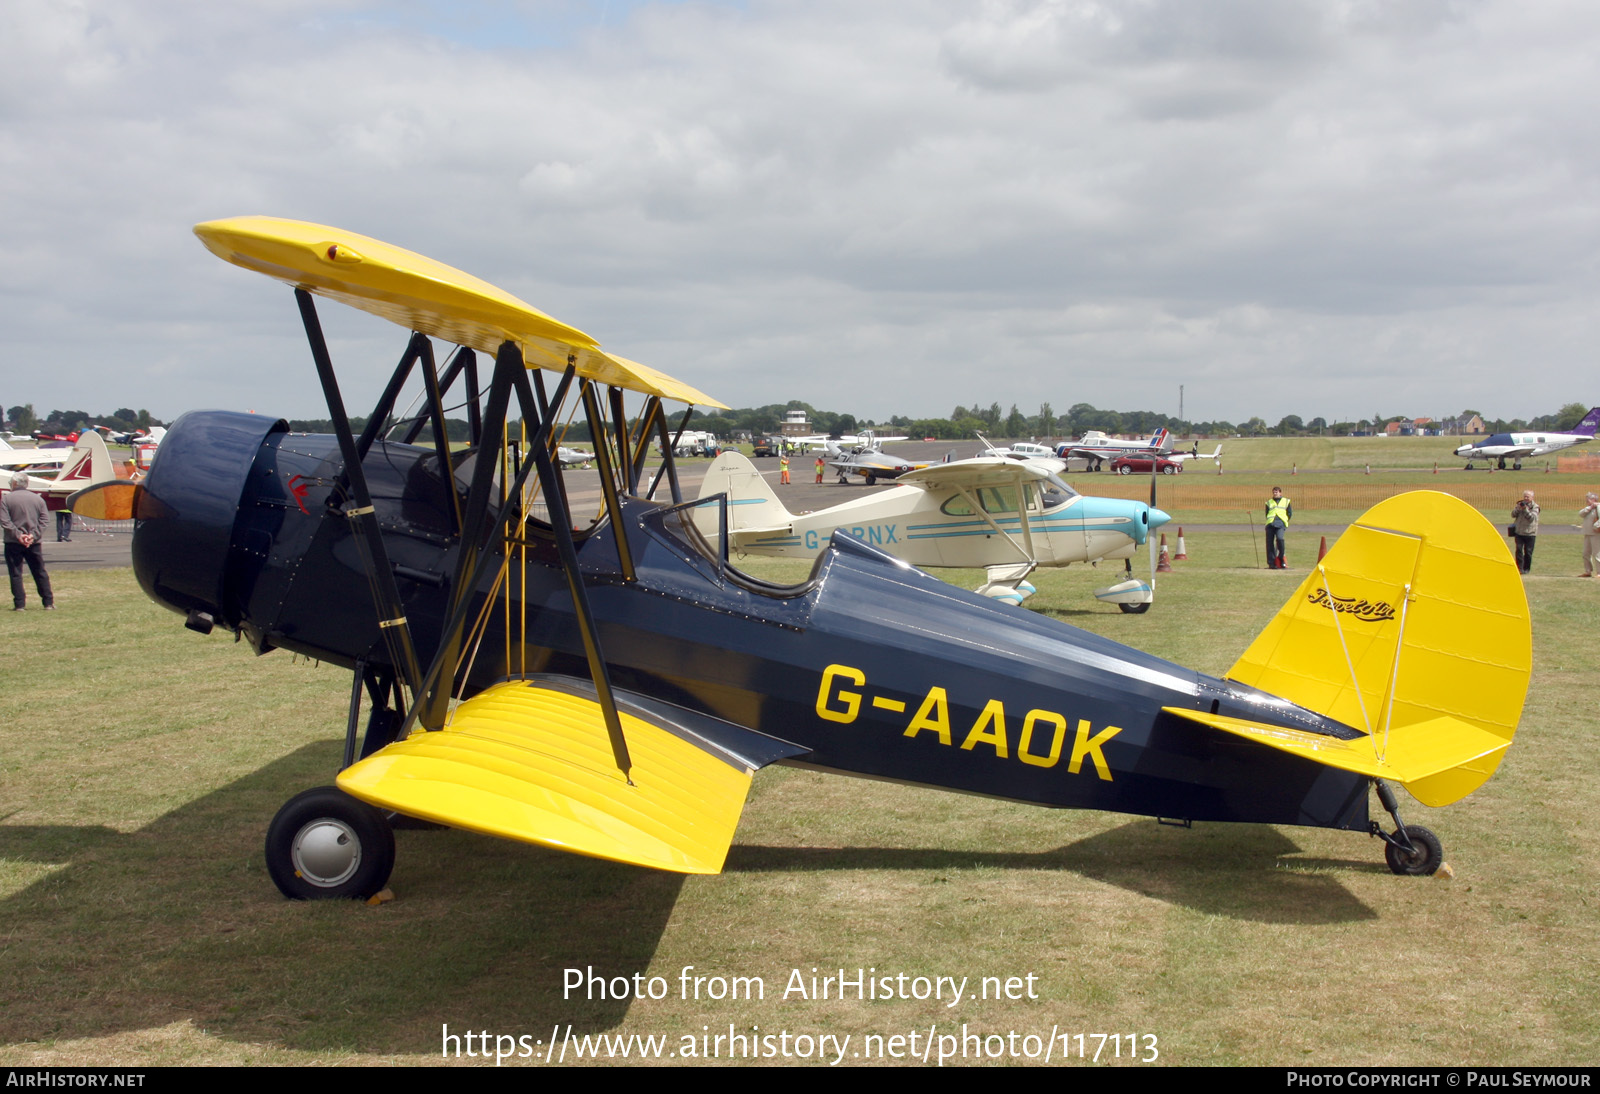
x=1182 y=457
x=969 y=513
x=1098 y=448
x=1517 y=447
x=1041 y=454
x=44 y=462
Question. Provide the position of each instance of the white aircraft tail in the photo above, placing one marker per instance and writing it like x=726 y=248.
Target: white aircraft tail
x=751 y=501
x=89 y=464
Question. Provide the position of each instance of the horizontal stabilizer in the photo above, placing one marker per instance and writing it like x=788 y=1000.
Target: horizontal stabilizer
x=535 y=764
x=1439 y=761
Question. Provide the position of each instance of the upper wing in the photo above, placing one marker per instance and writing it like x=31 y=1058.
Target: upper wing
x=423 y=295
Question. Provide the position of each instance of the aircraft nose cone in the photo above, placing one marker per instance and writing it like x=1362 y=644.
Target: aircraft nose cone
x=1158 y=518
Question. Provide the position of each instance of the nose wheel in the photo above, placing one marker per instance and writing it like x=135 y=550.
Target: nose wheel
x=326 y=845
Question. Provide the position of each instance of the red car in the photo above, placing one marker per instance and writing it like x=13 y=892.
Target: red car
x=1127 y=465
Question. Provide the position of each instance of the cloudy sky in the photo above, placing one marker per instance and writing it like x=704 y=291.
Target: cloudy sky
x=1334 y=208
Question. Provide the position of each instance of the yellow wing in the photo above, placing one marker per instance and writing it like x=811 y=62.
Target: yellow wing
x=423 y=295
x=534 y=764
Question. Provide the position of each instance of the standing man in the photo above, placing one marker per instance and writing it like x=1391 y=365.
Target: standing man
x=783 y=466
x=1589 y=520
x=820 y=466
x=22 y=515
x=1279 y=512
x=1525 y=529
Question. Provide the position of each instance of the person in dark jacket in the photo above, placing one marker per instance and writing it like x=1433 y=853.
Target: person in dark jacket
x=22 y=516
x=1525 y=529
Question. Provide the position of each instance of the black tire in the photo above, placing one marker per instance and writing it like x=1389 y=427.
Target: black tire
x=1169 y=469
x=872 y=480
x=1124 y=470
x=1424 y=861
x=325 y=845
x=1135 y=609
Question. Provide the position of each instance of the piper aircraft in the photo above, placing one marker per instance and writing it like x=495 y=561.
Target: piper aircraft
x=1006 y=516
x=1517 y=447
x=1097 y=448
x=611 y=690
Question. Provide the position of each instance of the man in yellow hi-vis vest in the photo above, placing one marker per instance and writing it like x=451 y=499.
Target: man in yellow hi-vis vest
x=1279 y=512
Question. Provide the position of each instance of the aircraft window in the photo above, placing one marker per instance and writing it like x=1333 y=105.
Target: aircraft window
x=957 y=506
x=999 y=499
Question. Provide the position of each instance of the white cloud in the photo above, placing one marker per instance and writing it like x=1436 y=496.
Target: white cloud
x=877 y=208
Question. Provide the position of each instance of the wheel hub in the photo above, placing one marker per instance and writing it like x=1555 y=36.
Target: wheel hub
x=326 y=852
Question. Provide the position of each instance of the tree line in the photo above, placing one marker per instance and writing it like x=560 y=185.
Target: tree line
x=962 y=422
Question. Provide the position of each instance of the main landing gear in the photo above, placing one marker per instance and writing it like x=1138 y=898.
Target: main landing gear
x=1411 y=850
x=324 y=844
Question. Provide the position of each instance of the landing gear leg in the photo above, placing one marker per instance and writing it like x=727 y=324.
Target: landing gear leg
x=1410 y=850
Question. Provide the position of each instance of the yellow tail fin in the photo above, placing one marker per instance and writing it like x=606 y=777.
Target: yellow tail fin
x=1415 y=626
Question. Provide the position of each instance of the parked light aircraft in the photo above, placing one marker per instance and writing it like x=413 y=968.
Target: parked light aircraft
x=1517 y=447
x=967 y=514
x=1041 y=454
x=44 y=462
x=619 y=685
x=1185 y=457
x=1099 y=449
x=868 y=460
x=88 y=462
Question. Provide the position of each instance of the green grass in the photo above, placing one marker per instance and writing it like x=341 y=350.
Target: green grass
x=141 y=763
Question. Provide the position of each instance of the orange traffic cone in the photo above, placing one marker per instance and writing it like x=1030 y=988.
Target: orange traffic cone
x=1164 y=566
x=1322 y=552
x=1182 y=552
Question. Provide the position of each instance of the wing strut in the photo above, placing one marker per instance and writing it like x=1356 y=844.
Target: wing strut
x=368 y=538
x=510 y=374
x=669 y=466
x=608 y=480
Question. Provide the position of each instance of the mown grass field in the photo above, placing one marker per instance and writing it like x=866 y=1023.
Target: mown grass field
x=141 y=763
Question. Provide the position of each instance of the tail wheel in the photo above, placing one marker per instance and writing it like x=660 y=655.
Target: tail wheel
x=1425 y=857
x=326 y=845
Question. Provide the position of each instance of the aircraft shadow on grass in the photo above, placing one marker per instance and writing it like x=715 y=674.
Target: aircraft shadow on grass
x=178 y=921
x=1230 y=870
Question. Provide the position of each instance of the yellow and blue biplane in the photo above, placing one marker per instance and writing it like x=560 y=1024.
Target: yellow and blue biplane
x=608 y=683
